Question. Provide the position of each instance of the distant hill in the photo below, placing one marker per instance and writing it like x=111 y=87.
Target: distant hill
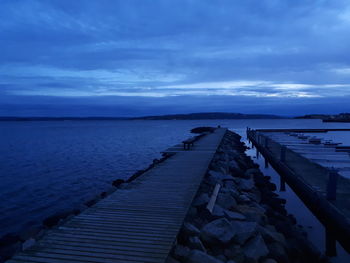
x=59 y=118
x=342 y=117
x=209 y=116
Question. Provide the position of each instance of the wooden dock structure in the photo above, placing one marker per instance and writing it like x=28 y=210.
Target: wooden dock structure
x=138 y=223
x=317 y=173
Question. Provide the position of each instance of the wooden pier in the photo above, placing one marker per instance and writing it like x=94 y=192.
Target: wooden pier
x=138 y=223
x=317 y=173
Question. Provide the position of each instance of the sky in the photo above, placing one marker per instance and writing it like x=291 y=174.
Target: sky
x=153 y=57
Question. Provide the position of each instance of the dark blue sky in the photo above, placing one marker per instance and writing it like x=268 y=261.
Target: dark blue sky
x=141 y=57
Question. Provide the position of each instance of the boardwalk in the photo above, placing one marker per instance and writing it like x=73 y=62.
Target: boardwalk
x=138 y=223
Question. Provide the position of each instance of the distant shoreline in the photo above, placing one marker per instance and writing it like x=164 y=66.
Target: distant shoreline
x=191 y=116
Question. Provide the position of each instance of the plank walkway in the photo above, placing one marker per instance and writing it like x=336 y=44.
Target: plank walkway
x=138 y=223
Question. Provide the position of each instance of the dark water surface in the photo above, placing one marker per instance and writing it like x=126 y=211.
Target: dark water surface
x=52 y=166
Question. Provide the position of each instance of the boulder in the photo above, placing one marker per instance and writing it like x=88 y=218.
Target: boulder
x=218 y=212
x=189 y=229
x=197 y=256
x=234 y=215
x=251 y=172
x=28 y=243
x=181 y=252
x=244 y=231
x=226 y=200
x=271 y=236
x=255 y=248
x=218 y=231
x=170 y=259
x=234 y=252
x=195 y=243
x=278 y=252
x=246 y=184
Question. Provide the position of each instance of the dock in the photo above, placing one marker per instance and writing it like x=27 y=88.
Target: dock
x=316 y=171
x=137 y=223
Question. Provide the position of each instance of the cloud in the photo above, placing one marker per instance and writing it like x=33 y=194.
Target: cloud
x=152 y=48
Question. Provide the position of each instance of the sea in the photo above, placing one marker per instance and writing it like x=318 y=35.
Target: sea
x=47 y=167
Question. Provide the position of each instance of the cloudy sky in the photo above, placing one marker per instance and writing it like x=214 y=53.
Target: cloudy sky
x=141 y=57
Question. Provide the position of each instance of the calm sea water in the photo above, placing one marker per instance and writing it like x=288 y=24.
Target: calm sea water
x=52 y=166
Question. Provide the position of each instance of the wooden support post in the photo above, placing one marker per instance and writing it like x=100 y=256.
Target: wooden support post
x=213 y=197
x=332 y=184
x=282 y=185
x=331 y=244
x=283 y=154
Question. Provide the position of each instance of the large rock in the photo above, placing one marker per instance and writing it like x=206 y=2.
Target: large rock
x=218 y=231
x=271 y=236
x=234 y=215
x=181 y=252
x=197 y=256
x=189 y=229
x=234 y=252
x=244 y=231
x=255 y=248
x=246 y=184
x=218 y=177
x=226 y=200
x=278 y=252
x=196 y=243
x=218 y=212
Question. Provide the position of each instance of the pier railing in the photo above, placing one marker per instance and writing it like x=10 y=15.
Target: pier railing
x=325 y=192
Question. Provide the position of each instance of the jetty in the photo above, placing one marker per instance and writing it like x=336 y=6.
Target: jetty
x=138 y=222
x=316 y=170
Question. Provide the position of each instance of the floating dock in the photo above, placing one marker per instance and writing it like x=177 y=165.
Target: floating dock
x=138 y=223
x=316 y=171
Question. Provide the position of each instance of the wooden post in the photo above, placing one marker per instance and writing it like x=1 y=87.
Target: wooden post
x=282 y=185
x=332 y=184
x=331 y=244
x=283 y=154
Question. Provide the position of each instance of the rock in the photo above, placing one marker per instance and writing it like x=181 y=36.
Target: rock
x=278 y=252
x=251 y=172
x=243 y=199
x=234 y=165
x=54 y=219
x=219 y=230
x=255 y=248
x=198 y=256
x=271 y=236
x=7 y=251
x=269 y=260
x=181 y=252
x=244 y=231
x=28 y=243
x=234 y=252
x=190 y=230
x=234 y=215
x=30 y=232
x=246 y=184
x=118 y=182
x=226 y=200
x=218 y=212
x=221 y=257
x=218 y=177
x=254 y=214
x=196 y=243
x=201 y=200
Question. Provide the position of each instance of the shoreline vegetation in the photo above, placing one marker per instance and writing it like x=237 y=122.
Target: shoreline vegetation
x=342 y=117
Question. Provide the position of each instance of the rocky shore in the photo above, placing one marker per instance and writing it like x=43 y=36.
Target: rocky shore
x=237 y=217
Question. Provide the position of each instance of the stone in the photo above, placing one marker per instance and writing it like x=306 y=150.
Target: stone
x=197 y=256
x=254 y=214
x=181 y=252
x=255 y=248
x=271 y=236
x=189 y=229
x=218 y=212
x=219 y=230
x=234 y=215
x=243 y=199
x=8 y=250
x=234 y=252
x=278 y=252
x=30 y=232
x=28 y=243
x=196 y=243
x=226 y=200
x=201 y=200
x=269 y=260
x=244 y=231
x=234 y=165
x=251 y=172
x=246 y=184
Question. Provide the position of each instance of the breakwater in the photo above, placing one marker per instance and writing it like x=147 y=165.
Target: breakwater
x=246 y=222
